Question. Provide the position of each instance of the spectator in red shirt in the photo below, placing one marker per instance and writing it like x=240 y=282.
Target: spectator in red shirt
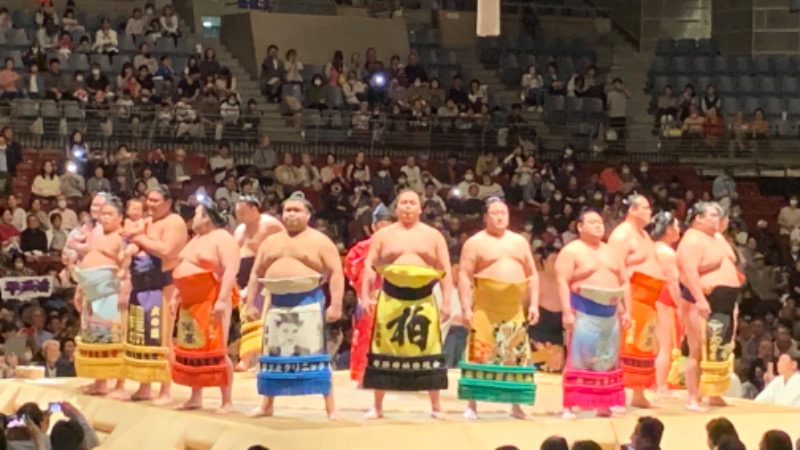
x=713 y=130
x=7 y=230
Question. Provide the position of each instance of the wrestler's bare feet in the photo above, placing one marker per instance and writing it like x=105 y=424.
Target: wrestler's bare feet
x=568 y=414
x=638 y=400
x=261 y=411
x=335 y=416
x=607 y=412
x=717 y=401
x=143 y=394
x=373 y=414
x=227 y=408
x=518 y=413
x=118 y=394
x=163 y=400
x=438 y=415
x=666 y=394
x=693 y=406
x=191 y=404
x=615 y=410
x=470 y=414
x=241 y=366
x=96 y=389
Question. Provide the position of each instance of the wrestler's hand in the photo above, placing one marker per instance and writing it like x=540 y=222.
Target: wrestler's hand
x=333 y=313
x=466 y=318
x=568 y=321
x=444 y=312
x=221 y=307
x=369 y=305
x=174 y=304
x=703 y=308
x=252 y=313
x=533 y=315
x=625 y=318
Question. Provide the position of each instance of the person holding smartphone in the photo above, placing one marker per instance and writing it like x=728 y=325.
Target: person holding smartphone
x=27 y=429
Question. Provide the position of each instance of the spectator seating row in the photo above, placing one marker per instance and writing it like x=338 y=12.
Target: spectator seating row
x=491 y=48
x=26 y=19
x=20 y=39
x=686 y=47
x=512 y=67
x=788 y=86
x=724 y=65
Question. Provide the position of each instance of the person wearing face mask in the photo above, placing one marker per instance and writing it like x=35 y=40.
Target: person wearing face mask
x=69 y=219
x=96 y=81
x=315 y=94
x=382 y=184
x=644 y=177
x=627 y=178
x=469 y=180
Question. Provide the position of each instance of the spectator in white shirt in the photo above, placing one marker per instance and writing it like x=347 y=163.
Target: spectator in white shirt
x=354 y=90
x=18 y=215
x=135 y=25
x=105 y=40
x=71 y=23
x=294 y=68
x=145 y=58
x=221 y=163
x=228 y=190
x=230 y=110
x=169 y=24
x=69 y=219
x=489 y=188
x=413 y=174
x=784 y=390
x=430 y=195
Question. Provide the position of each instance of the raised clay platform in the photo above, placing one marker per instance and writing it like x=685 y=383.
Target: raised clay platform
x=300 y=422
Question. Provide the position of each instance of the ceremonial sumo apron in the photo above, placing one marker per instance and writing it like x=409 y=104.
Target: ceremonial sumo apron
x=638 y=354
x=200 y=347
x=406 y=348
x=99 y=347
x=592 y=377
x=717 y=359
x=146 y=351
x=294 y=359
x=498 y=366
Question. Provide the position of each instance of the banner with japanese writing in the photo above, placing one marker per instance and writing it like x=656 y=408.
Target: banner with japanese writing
x=26 y=288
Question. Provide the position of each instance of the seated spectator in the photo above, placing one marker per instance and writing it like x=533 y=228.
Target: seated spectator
x=145 y=58
x=431 y=196
x=272 y=74
x=170 y=25
x=685 y=101
x=18 y=215
x=153 y=30
x=729 y=443
x=135 y=24
x=84 y=46
x=354 y=90
x=693 y=123
x=209 y=64
x=222 y=163
x=8 y=232
x=785 y=388
x=20 y=269
x=554 y=443
x=33 y=239
x=553 y=84
x=489 y=188
x=457 y=93
x=315 y=94
x=41 y=421
x=6 y=22
x=532 y=89
x=287 y=176
x=228 y=190
x=361 y=120
x=717 y=428
x=33 y=87
x=70 y=23
x=710 y=100
x=775 y=440
x=165 y=68
x=36 y=210
x=98 y=182
x=10 y=81
x=713 y=131
x=225 y=83
x=759 y=127
x=73 y=184
x=230 y=110
x=56 y=83
x=189 y=86
x=46 y=184
x=294 y=68
x=310 y=173
x=144 y=78
x=69 y=219
x=647 y=434
x=105 y=40
x=47 y=36
x=586 y=445
x=667 y=107
x=58 y=238
x=177 y=171
x=97 y=81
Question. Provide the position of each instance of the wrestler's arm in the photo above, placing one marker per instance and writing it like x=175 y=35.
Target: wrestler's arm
x=621 y=244
x=172 y=240
x=229 y=257
x=273 y=226
x=533 y=276
x=333 y=266
x=443 y=263
x=368 y=276
x=565 y=268
x=625 y=282
x=257 y=272
x=238 y=234
x=669 y=265
x=466 y=272
x=690 y=254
